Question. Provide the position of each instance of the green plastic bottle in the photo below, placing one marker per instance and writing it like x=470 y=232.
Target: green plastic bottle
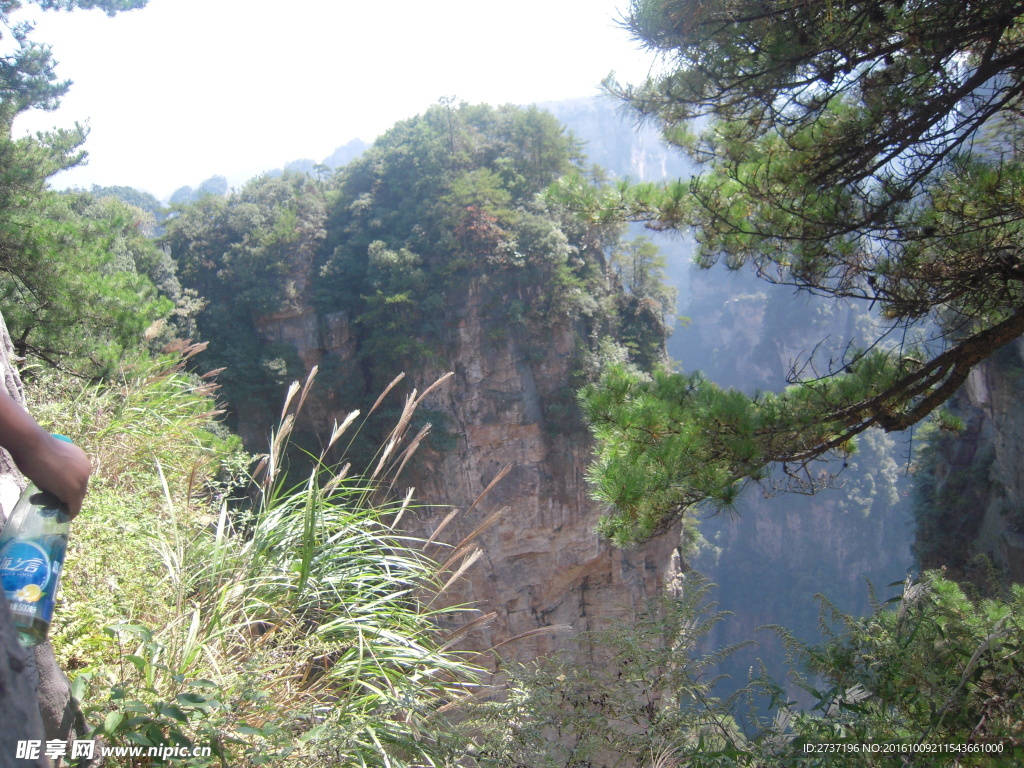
x=33 y=546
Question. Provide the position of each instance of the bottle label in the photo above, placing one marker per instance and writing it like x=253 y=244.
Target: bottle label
x=29 y=577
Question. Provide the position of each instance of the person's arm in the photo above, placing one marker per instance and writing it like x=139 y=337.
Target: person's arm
x=54 y=465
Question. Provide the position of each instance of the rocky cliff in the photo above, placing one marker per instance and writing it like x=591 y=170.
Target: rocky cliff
x=542 y=564
x=970 y=500
x=434 y=251
x=616 y=141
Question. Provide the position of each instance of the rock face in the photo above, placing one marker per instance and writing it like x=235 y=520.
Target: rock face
x=542 y=565
x=978 y=476
x=614 y=140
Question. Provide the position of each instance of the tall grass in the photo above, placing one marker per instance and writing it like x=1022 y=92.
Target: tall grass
x=298 y=632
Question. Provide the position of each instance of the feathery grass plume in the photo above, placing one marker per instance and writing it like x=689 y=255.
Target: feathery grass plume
x=385 y=393
x=488 y=522
x=302 y=637
x=401 y=511
x=339 y=429
x=663 y=758
x=407 y=454
x=467 y=561
x=440 y=528
x=293 y=388
x=463 y=545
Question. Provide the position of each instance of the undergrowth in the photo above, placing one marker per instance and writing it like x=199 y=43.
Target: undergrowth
x=205 y=606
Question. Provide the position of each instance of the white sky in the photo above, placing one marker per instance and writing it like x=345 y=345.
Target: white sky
x=185 y=89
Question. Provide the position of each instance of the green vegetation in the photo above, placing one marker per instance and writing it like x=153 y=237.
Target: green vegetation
x=931 y=668
x=246 y=256
x=75 y=275
x=76 y=288
x=442 y=200
x=299 y=631
x=864 y=151
x=277 y=614
x=442 y=206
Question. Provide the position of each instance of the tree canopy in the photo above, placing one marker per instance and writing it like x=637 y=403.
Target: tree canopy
x=868 y=151
x=76 y=272
x=444 y=206
x=246 y=256
x=77 y=280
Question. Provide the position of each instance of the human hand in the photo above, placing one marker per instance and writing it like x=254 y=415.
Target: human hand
x=59 y=467
x=51 y=463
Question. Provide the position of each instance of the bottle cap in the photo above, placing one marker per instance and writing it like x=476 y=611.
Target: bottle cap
x=65 y=438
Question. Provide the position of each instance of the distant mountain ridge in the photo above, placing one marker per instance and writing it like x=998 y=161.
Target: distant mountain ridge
x=616 y=142
x=611 y=139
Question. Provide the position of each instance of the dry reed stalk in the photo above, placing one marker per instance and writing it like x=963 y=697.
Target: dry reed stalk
x=401 y=511
x=292 y=389
x=457 y=634
x=306 y=386
x=340 y=429
x=466 y=563
x=464 y=544
x=437 y=531
x=384 y=394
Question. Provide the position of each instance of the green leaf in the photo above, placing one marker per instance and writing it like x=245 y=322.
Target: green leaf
x=312 y=734
x=112 y=721
x=139 y=738
x=169 y=710
x=80 y=686
x=135 y=706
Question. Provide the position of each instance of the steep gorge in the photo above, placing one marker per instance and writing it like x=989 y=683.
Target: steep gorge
x=775 y=552
x=516 y=303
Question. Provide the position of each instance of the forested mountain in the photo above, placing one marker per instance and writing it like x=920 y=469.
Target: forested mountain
x=435 y=251
x=470 y=284
x=357 y=273
x=438 y=201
